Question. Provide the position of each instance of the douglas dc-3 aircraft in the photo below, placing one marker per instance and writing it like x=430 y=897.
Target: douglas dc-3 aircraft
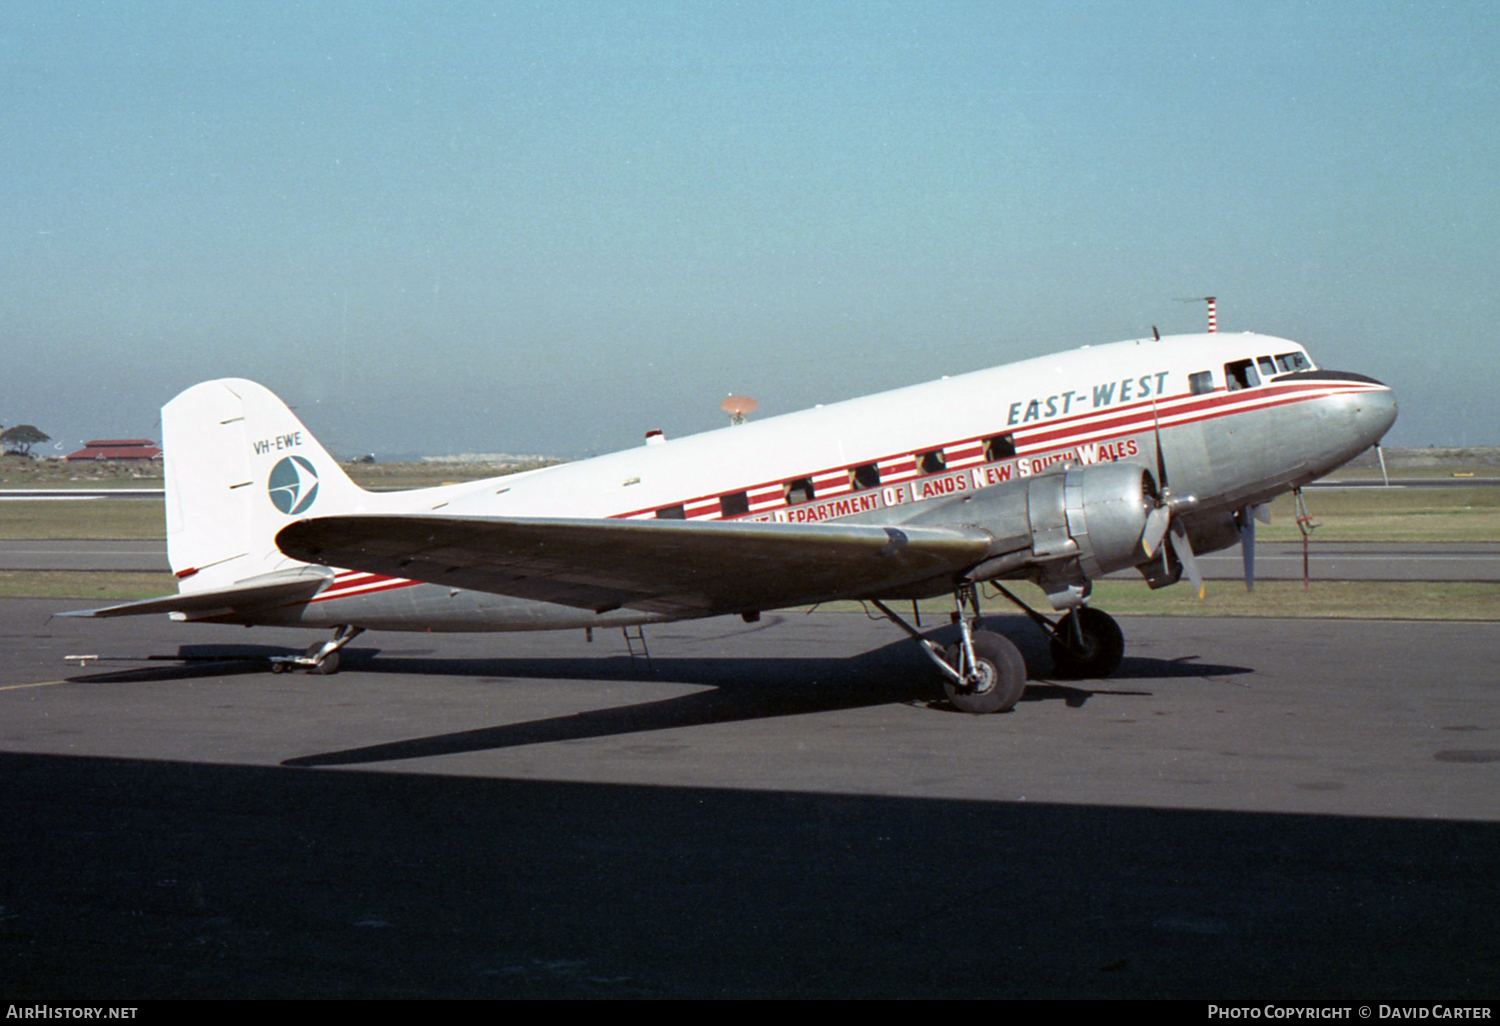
x=1055 y=470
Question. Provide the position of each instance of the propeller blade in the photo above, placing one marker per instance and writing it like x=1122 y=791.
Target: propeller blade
x=1161 y=459
x=1184 y=550
x=1247 y=544
x=1157 y=522
x=1261 y=512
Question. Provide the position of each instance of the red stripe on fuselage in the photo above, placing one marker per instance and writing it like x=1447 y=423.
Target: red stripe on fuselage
x=389 y=583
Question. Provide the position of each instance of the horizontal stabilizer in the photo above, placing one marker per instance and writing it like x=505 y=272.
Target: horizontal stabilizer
x=277 y=588
x=668 y=566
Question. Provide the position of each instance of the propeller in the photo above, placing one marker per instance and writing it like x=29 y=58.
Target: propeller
x=1160 y=523
x=1184 y=550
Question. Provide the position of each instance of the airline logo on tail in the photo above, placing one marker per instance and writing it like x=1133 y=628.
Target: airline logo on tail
x=293 y=485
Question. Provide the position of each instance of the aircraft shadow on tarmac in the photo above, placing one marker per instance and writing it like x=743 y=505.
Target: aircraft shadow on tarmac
x=159 y=879
x=734 y=689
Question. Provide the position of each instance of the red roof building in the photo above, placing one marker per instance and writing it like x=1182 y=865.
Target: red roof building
x=117 y=449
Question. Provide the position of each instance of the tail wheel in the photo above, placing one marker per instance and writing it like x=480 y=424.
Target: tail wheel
x=1102 y=649
x=328 y=664
x=1002 y=675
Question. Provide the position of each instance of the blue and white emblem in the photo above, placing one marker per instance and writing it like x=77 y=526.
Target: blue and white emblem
x=293 y=485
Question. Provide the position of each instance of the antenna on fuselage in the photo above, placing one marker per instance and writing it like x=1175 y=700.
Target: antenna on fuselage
x=1213 y=310
x=739 y=407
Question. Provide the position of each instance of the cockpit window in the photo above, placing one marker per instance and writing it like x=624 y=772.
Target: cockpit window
x=1241 y=374
x=1267 y=367
x=1289 y=363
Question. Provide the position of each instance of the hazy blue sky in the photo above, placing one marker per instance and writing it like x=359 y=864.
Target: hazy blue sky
x=547 y=227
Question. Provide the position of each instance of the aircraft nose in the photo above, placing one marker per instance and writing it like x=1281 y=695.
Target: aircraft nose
x=1374 y=413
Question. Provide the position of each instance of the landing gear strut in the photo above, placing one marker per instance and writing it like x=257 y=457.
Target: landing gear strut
x=321 y=657
x=983 y=672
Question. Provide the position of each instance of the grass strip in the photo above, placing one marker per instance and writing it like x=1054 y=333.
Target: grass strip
x=111 y=585
x=1368 y=600
x=71 y=519
x=1410 y=514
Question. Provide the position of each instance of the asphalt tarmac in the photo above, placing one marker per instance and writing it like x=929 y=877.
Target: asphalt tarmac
x=1288 y=809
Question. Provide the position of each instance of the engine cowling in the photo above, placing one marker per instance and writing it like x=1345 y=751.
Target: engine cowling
x=1063 y=530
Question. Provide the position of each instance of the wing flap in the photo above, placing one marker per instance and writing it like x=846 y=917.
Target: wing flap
x=254 y=593
x=668 y=566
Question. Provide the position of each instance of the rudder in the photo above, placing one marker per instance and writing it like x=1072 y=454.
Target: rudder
x=239 y=467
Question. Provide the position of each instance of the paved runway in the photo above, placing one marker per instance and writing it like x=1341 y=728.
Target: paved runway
x=1292 y=809
x=76 y=494
x=1356 y=561
x=1411 y=482
x=71 y=554
x=1330 y=561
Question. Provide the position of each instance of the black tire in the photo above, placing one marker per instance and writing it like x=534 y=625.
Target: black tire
x=1103 y=645
x=1003 y=671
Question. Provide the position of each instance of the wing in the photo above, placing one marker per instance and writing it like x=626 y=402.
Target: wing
x=677 y=567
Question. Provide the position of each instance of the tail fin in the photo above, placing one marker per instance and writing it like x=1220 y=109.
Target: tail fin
x=240 y=466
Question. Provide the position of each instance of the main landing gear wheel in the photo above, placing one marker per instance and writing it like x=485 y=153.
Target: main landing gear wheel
x=1002 y=675
x=1102 y=648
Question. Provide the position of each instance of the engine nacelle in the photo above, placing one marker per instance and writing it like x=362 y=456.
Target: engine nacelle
x=1061 y=530
x=1096 y=513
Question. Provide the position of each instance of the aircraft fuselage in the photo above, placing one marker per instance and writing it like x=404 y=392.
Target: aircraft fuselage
x=1241 y=418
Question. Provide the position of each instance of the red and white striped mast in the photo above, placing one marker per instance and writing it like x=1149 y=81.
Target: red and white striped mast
x=1213 y=310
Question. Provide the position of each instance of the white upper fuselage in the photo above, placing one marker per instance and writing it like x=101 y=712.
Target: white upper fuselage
x=1049 y=403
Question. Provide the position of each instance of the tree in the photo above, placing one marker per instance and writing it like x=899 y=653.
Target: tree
x=21 y=438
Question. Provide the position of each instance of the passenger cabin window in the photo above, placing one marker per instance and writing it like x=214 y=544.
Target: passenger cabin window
x=932 y=462
x=1001 y=447
x=1240 y=374
x=1267 y=367
x=671 y=513
x=734 y=504
x=866 y=476
x=1201 y=383
x=800 y=490
x=1290 y=363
